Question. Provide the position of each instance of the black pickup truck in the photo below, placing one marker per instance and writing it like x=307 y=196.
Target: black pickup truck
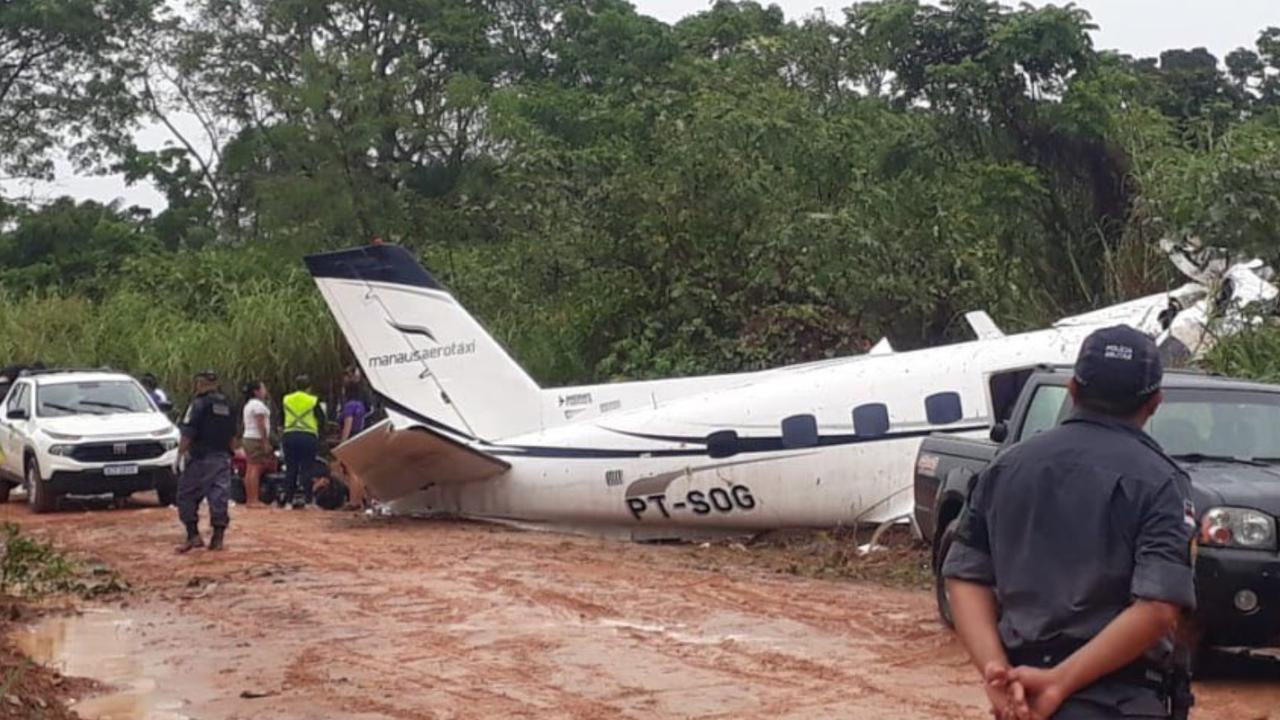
x=1225 y=433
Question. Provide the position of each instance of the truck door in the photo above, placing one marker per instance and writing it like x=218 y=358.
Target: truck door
x=11 y=430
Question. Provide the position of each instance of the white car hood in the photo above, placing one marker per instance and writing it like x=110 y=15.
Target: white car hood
x=108 y=426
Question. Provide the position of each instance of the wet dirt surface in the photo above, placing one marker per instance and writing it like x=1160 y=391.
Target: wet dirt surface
x=314 y=614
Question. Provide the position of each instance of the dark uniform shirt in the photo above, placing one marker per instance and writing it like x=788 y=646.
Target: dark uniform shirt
x=1071 y=525
x=210 y=424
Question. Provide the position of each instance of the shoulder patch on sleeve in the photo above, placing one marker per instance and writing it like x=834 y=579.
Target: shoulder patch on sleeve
x=1189 y=514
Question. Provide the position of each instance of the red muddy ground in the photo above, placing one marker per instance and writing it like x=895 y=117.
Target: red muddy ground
x=315 y=614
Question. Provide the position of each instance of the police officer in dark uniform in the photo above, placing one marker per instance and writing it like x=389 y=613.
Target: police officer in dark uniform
x=1073 y=560
x=208 y=430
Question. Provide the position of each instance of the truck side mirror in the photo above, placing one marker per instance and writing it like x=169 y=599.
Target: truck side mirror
x=999 y=432
x=17 y=414
x=165 y=406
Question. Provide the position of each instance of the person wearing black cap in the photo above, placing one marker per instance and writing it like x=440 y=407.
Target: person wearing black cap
x=208 y=431
x=1073 y=560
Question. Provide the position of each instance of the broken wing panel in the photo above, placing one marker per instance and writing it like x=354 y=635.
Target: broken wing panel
x=394 y=463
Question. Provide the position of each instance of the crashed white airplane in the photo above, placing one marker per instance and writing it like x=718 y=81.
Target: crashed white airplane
x=822 y=444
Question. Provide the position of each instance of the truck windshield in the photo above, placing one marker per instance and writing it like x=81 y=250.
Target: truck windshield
x=1219 y=423
x=91 y=398
x=1211 y=423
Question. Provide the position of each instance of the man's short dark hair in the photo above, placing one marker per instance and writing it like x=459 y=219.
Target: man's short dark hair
x=302 y=381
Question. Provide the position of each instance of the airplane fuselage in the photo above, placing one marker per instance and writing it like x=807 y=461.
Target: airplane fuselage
x=819 y=445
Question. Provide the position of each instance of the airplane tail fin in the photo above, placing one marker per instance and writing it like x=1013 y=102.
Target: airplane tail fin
x=420 y=349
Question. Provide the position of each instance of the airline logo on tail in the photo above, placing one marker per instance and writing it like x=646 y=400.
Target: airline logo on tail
x=414 y=330
x=416 y=356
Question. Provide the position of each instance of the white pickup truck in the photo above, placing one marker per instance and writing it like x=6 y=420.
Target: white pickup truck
x=73 y=432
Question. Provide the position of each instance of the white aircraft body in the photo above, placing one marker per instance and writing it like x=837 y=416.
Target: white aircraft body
x=822 y=444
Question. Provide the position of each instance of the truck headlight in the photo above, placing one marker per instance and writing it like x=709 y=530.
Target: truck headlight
x=62 y=450
x=1238 y=527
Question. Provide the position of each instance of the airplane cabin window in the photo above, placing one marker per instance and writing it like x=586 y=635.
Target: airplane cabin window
x=943 y=408
x=799 y=431
x=722 y=443
x=1048 y=408
x=871 y=420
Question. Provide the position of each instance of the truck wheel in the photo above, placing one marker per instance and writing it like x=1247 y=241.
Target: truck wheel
x=939 y=584
x=167 y=489
x=39 y=497
x=4 y=491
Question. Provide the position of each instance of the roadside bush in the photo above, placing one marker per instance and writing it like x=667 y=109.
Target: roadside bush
x=30 y=567
x=1253 y=354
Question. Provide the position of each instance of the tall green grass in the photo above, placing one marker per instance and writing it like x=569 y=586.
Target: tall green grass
x=1253 y=354
x=264 y=330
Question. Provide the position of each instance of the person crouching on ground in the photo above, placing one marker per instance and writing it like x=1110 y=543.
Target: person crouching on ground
x=303 y=419
x=330 y=490
x=208 y=431
x=256 y=439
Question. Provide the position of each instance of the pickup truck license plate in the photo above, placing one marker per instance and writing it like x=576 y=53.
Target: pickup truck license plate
x=117 y=470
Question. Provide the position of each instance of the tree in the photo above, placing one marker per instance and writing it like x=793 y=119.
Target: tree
x=63 y=79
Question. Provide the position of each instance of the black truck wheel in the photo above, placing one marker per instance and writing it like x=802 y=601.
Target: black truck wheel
x=939 y=584
x=4 y=491
x=39 y=496
x=167 y=489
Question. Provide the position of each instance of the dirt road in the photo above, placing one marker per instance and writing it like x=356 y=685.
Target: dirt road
x=337 y=615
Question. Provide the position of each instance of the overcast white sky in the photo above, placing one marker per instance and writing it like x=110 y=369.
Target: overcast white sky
x=1136 y=27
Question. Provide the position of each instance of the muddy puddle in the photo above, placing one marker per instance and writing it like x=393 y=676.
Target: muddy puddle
x=105 y=645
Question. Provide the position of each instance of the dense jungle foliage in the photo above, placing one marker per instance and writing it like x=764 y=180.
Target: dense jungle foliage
x=614 y=196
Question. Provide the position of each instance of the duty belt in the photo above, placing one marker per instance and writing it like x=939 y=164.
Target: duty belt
x=1141 y=672
x=1172 y=684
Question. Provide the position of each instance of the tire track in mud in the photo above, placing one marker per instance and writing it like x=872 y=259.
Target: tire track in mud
x=344 y=616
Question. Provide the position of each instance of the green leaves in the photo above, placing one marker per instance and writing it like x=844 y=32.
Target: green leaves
x=63 y=65
x=613 y=195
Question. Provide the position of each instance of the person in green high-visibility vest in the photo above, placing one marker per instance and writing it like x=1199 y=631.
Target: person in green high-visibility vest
x=303 y=421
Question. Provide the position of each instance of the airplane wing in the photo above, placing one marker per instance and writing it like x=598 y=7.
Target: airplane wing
x=394 y=463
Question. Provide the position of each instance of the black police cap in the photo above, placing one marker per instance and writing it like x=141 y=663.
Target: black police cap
x=209 y=375
x=1119 y=363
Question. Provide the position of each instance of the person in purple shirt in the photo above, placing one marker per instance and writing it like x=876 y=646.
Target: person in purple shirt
x=352 y=419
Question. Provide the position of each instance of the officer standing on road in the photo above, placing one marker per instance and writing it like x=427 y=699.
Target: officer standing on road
x=208 y=430
x=1073 y=560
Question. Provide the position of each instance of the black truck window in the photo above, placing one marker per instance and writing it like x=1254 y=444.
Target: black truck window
x=1048 y=408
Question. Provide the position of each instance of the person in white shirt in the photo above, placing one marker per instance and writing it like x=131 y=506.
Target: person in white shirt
x=256 y=439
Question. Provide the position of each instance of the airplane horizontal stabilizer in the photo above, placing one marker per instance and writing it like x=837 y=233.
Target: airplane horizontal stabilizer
x=881 y=348
x=395 y=463
x=983 y=326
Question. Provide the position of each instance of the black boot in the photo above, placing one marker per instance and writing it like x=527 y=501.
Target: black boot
x=193 y=540
x=215 y=542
